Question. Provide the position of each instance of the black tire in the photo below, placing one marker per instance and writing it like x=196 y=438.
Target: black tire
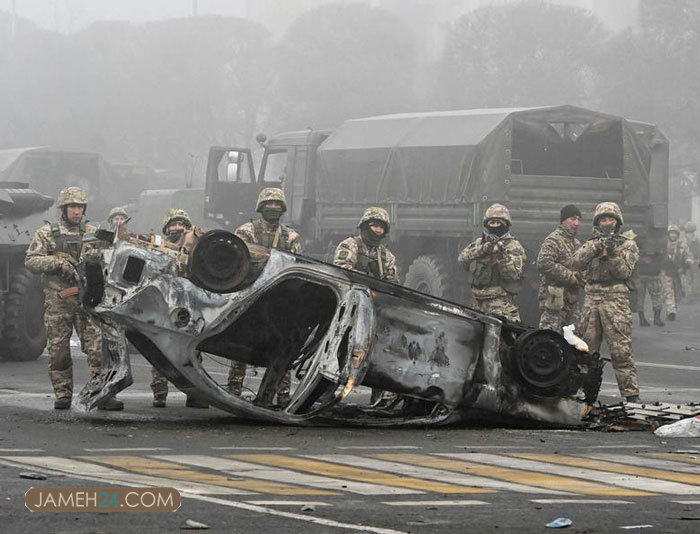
x=24 y=332
x=428 y=274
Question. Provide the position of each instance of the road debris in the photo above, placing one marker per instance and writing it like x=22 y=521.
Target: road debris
x=685 y=428
x=190 y=524
x=32 y=476
x=308 y=508
x=560 y=522
x=626 y=416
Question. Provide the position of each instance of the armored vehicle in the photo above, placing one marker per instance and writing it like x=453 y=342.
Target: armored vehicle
x=22 y=330
x=436 y=173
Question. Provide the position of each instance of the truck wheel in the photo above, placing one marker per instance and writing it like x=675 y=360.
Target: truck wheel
x=427 y=274
x=24 y=333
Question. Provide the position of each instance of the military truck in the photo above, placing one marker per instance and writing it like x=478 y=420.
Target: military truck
x=436 y=173
x=22 y=330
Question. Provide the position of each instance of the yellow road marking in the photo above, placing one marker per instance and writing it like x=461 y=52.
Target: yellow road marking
x=355 y=473
x=518 y=476
x=693 y=459
x=179 y=472
x=600 y=465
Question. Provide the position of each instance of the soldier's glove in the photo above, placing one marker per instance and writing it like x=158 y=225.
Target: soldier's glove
x=68 y=271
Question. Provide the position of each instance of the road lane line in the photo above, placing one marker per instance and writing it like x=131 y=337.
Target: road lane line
x=88 y=471
x=687 y=502
x=693 y=459
x=434 y=503
x=608 y=465
x=492 y=447
x=538 y=477
x=354 y=473
x=639 y=460
x=179 y=472
x=128 y=449
x=579 y=501
x=379 y=447
x=385 y=462
x=668 y=366
x=254 y=448
x=289 y=503
x=620 y=447
x=250 y=470
x=21 y=450
x=300 y=517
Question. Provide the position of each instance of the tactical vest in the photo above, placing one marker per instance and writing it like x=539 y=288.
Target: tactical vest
x=268 y=239
x=68 y=243
x=485 y=274
x=375 y=267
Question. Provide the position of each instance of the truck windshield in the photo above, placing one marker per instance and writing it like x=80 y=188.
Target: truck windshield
x=234 y=167
x=275 y=166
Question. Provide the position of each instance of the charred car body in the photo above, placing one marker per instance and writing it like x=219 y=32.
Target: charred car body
x=334 y=329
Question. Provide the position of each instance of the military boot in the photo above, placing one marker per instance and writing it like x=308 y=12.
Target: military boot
x=159 y=401
x=62 y=403
x=671 y=316
x=643 y=320
x=657 y=318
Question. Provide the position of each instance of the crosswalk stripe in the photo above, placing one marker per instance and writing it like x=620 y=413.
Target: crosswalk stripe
x=250 y=470
x=385 y=463
x=178 y=472
x=600 y=465
x=540 y=477
x=688 y=459
x=353 y=473
x=639 y=460
x=536 y=474
x=635 y=485
x=114 y=476
x=579 y=501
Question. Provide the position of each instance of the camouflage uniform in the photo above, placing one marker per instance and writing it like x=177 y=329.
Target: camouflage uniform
x=559 y=283
x=364 y=253
x=374 y=259
x=678 y=260
x=114 y=212
x=693 y=274
x=608 y=268
x=496 y=268
x=270 y=235
x=649 y=281
x=53 y=248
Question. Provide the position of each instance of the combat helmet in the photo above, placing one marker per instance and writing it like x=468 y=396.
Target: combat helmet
x=118 y=210
x=268 y=194
x=497 y=211
x=690 y=227
x=71 y=195
x=608 y=208
x=373 y=213
x=175 y=215
x=674 y=228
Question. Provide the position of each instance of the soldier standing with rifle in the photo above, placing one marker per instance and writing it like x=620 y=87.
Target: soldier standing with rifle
x=55 y=252
x=495 y=261
x=649 y=277
x=677 y=260
x=608 y=262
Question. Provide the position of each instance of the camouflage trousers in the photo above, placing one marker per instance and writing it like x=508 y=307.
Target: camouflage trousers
x=608 y=316
x=669 y=293
x=61 y=315
x=500 y=305
x=236 y=377
x=557 y=319
x=691 y=282
x=159 y=384
x=652 y=285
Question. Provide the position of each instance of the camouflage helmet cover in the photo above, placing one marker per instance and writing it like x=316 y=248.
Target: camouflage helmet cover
x=374 y=213
x=610 y=209
x=269 y=194
x=175 y=215
x=673 y=228
x=497 y=211
x=690 y=227
x=71 y=195
x=118 y=210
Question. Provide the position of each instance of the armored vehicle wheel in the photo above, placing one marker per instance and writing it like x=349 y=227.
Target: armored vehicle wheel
x=428 y=274
x=24 y=333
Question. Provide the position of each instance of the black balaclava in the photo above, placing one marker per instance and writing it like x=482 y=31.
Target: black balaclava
x=499 y=231
x=369 y=237
x=272 y=215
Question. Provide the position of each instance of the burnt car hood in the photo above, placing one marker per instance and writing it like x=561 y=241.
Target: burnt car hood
x=334 y=330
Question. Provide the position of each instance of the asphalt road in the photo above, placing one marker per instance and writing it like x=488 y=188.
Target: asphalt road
x=243 y=477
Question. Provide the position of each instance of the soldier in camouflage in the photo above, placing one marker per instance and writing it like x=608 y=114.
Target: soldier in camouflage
x=117 y=217
x=268 y=232
x=649 y=281
x=365 y=253
x=495 y=261
x=608 y=261
x=678 y=259
x=177 y=230
x=54 y=252
x=693 y=276
x=559 y=283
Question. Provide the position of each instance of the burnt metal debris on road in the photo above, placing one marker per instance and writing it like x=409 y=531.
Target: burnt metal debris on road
x=333 y=329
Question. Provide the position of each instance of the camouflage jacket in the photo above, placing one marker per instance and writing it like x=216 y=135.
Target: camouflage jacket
x=554 y=263
x=607 y=273
x=51 y=245
x=678 y=256
x=693 y=245
x=496 y=270
x=354 y=254
x=261 y=232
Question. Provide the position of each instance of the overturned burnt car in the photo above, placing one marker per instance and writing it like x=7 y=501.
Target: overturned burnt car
x=335 y=330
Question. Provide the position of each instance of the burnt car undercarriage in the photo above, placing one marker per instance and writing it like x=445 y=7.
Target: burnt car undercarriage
x=336 y=330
